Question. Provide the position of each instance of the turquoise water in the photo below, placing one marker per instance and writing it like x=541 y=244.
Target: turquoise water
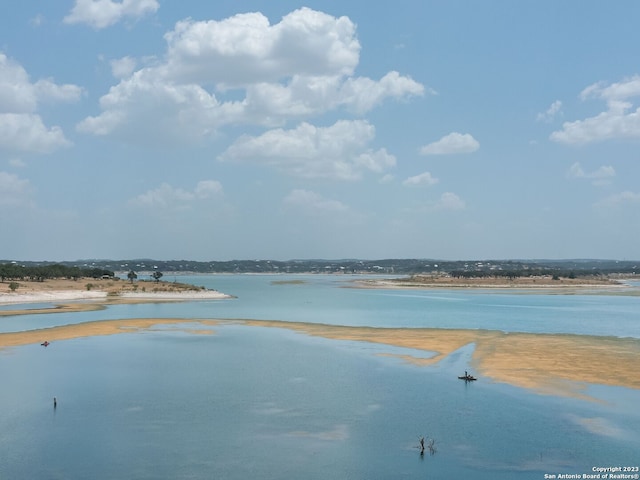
x=267 y=403
x=328 y=299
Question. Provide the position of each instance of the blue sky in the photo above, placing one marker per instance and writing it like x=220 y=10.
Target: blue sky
x=259 y=129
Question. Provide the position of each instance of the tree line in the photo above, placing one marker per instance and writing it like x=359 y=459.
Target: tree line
x=472 y=268
x=40 y=273
x=513 y=274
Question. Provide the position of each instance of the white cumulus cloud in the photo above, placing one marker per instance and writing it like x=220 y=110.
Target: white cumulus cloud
x=208 y=188
x=600 y=176
x=620 y=199
x=313 y=203
x=621 y=119
x=551 y=112
x=362 y=94
x=627 y=88
x=143 y=109
x=167 y=197
x=104 y=13
x=123 y=67
x=19 y=95
x=26 y=132
x=246 y=49
x=422 y=179
x=337 y=152
x=452 y=143
x=21 y=127
x=243 y=70
x=449 y=201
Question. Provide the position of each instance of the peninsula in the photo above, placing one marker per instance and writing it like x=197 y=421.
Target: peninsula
x=84 y=294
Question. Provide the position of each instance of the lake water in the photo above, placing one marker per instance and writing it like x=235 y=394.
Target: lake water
x=253 y=402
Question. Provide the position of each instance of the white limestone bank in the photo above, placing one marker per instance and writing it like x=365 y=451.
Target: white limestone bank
x=69 y=295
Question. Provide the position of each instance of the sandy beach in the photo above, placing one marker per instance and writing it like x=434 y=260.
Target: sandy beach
x=550 y=364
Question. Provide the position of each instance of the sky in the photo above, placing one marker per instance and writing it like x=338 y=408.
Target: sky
x=326 y=129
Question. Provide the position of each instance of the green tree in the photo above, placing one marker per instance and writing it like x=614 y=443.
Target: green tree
x=13 y=286
x=132 y=276
x=157 y=275
x=5 y=271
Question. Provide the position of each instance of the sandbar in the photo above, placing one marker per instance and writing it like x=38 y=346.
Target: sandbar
x=549 y=363
x=557 y=364
x=90 y=329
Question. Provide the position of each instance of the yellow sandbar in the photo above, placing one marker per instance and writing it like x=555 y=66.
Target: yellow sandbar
x=549 y=363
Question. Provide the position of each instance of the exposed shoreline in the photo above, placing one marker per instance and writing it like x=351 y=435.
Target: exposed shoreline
x=557 y=364
x=97 y=294
x=532 y=285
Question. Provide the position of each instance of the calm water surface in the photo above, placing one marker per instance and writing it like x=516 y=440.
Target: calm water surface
x=329 y=299
x=273 y=404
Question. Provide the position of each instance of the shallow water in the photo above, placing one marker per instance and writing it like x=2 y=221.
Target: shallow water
x=271 y=403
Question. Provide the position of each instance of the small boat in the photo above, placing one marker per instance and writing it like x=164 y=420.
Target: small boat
x=468 y=378
x=45 y=344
